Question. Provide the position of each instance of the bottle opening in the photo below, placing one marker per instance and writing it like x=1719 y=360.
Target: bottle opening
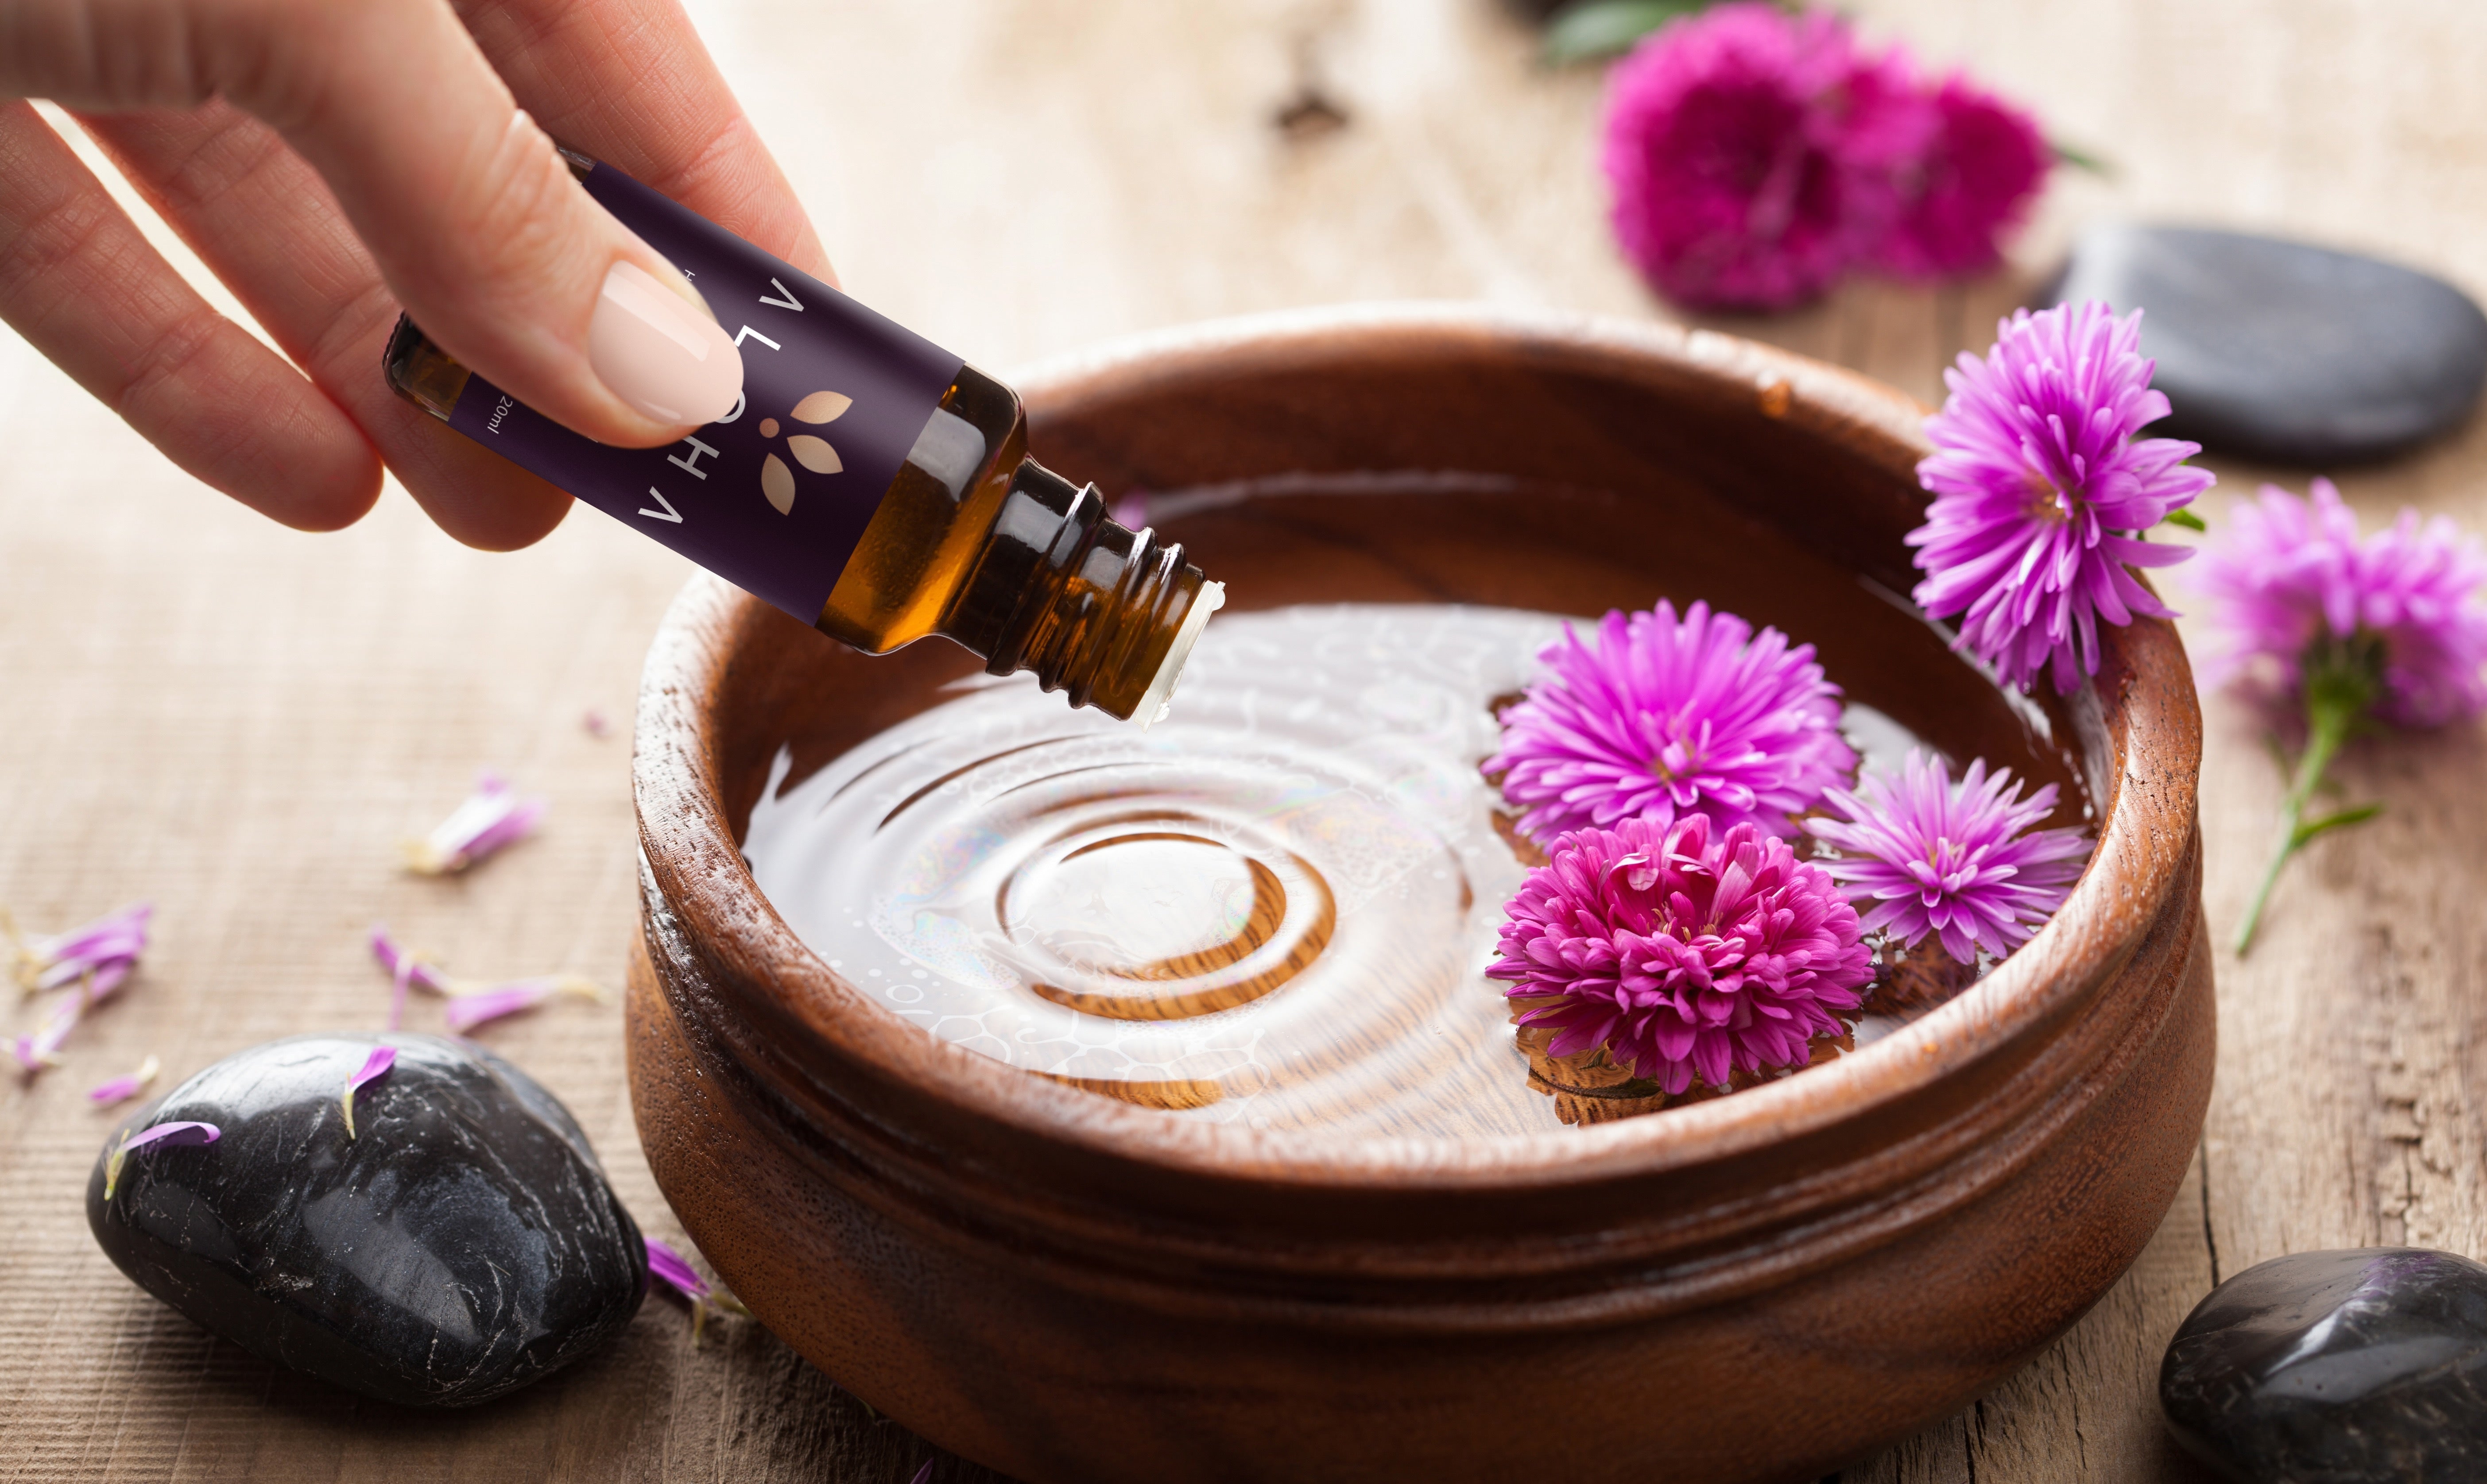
x=1158 y=698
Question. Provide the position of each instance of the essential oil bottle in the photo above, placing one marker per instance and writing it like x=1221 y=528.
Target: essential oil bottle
x=868 y=482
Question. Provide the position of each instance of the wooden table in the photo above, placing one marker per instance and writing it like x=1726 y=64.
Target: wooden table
x=239 y=723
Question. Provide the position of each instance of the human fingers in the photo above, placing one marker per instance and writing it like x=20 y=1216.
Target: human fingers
x=80 y=282
x=266 y=225
x=629 y=82
x=469 y=211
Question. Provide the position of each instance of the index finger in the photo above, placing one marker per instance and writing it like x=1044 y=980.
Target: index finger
x=629 y=82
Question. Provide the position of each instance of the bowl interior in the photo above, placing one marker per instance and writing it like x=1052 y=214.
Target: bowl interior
x=1567 y=471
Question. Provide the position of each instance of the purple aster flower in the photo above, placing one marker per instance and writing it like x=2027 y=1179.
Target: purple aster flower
x=1967 y=186
x=2289 y=575
x=2384 y=628
x=1687 y=952
x=1662 y=716
x=1751 y=154
x=2040 y=493
x=2041 y=490
x=1960 y=861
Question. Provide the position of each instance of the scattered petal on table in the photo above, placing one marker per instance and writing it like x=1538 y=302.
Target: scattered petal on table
x=120 y=1090
x=492 y=816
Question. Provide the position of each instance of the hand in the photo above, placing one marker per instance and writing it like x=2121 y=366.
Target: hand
x=334 y=161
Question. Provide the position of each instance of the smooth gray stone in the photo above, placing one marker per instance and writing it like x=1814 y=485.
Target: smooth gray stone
x=2286 y=353
x=464 y=1244
x=2367 y=1367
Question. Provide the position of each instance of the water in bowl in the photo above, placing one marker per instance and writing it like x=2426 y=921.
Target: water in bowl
x=1275 y=908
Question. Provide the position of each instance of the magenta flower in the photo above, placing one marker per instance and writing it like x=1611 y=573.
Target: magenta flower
x=1663 y=716
x=2290 y=577
x=2042 y=491
x=2384 y=628
x=1687 y=952
x=1966 y=187
x=1751 y=154
x=466 y=1008
x=491 y=817
x=160 y=1134
x=120 y=1090
x=1959 y=860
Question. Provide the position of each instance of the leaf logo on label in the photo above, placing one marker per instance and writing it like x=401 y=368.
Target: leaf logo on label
x=776 y=481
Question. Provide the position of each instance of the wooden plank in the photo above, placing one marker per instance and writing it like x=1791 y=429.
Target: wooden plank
x=240 y=722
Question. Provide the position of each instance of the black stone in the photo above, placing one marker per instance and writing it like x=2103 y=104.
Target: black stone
x=463 y=1245
x=2281 y=351
x=2352 y=1368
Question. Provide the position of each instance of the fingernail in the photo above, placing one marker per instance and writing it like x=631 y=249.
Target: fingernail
x=668 y=360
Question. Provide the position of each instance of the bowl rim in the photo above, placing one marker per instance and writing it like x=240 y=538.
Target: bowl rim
x=2128 y=732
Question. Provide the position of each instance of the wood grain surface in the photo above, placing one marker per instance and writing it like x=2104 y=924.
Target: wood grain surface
x=240 y=722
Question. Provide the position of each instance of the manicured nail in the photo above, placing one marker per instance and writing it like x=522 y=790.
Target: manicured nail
x=668 y=359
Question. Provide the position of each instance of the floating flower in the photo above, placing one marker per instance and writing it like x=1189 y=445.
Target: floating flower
x=107 y=947
x=2041 y=490
x=1967 y=185
x=1687 y=952
x=492 y=816
x=1663 y=716
x=374 y=1065
x=675 y=1271
x=1960 y=861
x=2383 y=629
x=467 y=1009
x=160 y=1133
x=120 y=1090
x=1751 y=154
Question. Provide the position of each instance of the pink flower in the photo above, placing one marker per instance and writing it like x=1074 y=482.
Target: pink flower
x=492 y=816
x=1687 y=952
x=1663 y=716
x=2042 y=491
x=1959 y=860
x=2289 y=575
x=1966 y=187
x=40 y=1048
x=1751 y=154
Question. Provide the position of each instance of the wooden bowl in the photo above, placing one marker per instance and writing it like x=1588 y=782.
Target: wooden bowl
x=1763 y=1286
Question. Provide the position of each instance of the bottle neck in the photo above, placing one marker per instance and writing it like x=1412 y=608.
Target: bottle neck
x=1104 y=613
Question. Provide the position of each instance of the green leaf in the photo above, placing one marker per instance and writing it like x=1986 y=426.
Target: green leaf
x=1605 y=28
x=2080 y=159
x=2347 y=816
x=2185 y=518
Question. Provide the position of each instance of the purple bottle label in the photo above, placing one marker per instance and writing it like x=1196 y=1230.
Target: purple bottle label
x=774 y=498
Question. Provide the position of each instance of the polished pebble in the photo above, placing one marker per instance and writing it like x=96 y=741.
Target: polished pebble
x=463 y=1243
x=2347 y=1367
x=2284 y=351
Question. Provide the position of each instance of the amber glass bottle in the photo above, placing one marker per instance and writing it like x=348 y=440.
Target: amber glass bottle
x=968 y=539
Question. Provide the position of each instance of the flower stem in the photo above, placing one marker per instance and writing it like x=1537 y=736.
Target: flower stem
x=2340 y=688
